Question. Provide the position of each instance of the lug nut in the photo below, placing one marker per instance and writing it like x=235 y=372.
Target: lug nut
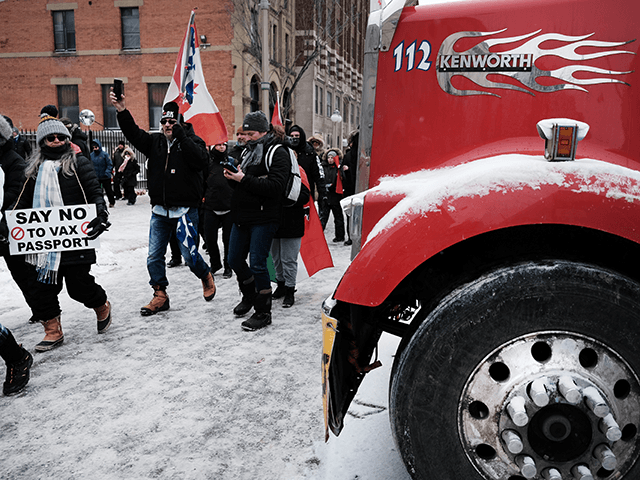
x=538 y=392
x=610 y=428
x=582 y=472
x=605 y=456
x=513 y=441
x=569 y=389
x=517 y=411
x=527 y=466
x=595 y=402
x=551 y=474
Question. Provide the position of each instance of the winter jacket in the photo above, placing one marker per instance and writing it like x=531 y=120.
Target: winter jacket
x=74 y=188
x=101 y=162
x=79 y=138
x=131 y=169
x=174 y=179
x=292 y=220
x=350 y=160
x=217 y=194
x=309 y=160
x=257 y=199
x=23 y=147
x=13 y=167
x=331 y=172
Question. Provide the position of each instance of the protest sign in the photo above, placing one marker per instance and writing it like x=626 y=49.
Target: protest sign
x=51 y=229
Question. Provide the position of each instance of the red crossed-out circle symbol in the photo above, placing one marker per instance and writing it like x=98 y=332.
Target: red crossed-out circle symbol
x=17 y=233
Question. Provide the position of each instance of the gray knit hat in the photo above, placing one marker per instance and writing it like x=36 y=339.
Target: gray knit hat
x=5 y=130
x=49 y=125
x=255 y=121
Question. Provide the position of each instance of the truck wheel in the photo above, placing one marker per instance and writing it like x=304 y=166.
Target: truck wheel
x=527 y=372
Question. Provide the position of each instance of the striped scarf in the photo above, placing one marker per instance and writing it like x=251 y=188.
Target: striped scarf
x=47 y=194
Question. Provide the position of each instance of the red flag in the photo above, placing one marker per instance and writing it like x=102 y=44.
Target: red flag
x=276 y=118
x=189 y=91
x=314 y=252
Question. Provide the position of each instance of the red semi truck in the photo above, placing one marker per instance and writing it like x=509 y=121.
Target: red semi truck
x=496 y=230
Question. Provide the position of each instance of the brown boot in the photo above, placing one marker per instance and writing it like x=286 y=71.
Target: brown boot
x=103 y=315
x=208 y=287
x=159 y=302
x=53 y=335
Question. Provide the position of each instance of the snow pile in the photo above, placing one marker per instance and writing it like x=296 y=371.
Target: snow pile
x=426 y=190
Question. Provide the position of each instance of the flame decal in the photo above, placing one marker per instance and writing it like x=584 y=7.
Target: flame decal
x=519 y=63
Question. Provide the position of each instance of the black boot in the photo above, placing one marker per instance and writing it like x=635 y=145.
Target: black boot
x=279 y=293
x=248 y=289
x=288 y=297
x=18 y=362
x=262 y=315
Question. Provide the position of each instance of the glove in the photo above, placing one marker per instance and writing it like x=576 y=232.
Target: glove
x=178 y=132
x=96 y=227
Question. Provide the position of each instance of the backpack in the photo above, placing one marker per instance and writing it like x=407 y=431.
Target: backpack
x=294 y=183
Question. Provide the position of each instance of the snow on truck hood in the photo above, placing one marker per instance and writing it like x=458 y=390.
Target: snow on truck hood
x=426 y=190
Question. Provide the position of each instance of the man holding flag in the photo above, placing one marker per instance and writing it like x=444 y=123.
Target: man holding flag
x=176 y=159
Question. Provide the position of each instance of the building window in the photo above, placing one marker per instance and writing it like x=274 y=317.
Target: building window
x=316 y=99
x=274 y=44
x=353 y=112
x=109 y=111
x=68 y=105
x=321 y=99
x=64 y=31
x=130 y=19
x=157 y=91
x=329 y=102
x=254 y=91
x=286 y=49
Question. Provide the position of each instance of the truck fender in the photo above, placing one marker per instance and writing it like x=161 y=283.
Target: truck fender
x=481 y=196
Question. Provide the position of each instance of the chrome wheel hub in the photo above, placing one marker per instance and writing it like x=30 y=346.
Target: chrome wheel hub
x=552 y=406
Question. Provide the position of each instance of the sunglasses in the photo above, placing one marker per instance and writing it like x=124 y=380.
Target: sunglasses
x=171 y=121
x=55 y=136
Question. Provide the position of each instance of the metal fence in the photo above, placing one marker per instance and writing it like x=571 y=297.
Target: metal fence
x=109 y=140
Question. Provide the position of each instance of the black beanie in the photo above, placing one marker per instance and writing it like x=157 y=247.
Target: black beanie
x=255 y=121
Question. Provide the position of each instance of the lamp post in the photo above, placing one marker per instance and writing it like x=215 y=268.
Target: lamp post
x=264 y=6
x=337 y=118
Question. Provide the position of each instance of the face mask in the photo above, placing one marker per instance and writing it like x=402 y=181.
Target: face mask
x=295 y=141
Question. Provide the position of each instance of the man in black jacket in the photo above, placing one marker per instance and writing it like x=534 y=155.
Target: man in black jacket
x=309 y=161
x=256 y=210
x=176 y=160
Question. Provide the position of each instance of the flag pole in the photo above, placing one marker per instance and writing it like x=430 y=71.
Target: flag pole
x=189 y=39
x=264 y=6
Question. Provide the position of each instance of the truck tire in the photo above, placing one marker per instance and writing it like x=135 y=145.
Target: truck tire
x=529 y=371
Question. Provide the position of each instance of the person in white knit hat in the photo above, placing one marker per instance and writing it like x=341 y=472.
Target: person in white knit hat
x=56 y=176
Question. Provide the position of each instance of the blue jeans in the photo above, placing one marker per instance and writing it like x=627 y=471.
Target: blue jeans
x=160 y=229
x=253 y=241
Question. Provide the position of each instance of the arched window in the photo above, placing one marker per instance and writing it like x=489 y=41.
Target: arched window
x=254 y=91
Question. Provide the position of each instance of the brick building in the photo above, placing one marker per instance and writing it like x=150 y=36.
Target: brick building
x=68 y=53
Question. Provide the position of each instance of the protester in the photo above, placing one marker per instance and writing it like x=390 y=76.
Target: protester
x=256 y=208
x=104 y=169
x=349 y=168
x=13 y=166
x=78 y=137
x=21 y=144
x=285 y=247
x=237 y=149
x=128 y=171
x=310 y=162
x=217 y=209
x=333 y=175
x=176 y=159
x=56 y=176
x=18 y=361
x=117 y=174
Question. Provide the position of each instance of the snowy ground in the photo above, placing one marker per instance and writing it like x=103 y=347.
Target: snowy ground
x=185 y=394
